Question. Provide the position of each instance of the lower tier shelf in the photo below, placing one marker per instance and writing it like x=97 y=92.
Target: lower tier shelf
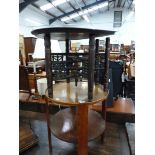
x=64 y=125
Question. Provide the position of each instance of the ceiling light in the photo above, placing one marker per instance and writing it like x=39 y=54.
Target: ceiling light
x=58 y=2
x=46 y=6
x=65 y=19
x=32 y=21
x=74 y=15
x=103 y=5
x=51 y=5
x=84 y=12
x=86 y=18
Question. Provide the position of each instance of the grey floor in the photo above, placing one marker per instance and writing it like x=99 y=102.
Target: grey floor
x=115 y=139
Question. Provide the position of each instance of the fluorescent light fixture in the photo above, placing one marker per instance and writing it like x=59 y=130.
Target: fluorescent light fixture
x=103 y=5
x=32 y=21
x=46 y=6
x=74 y=15
x=84 y=12
x=65 y=19
x=86 y=18
x=81 y=13
x=58 y=2
x=52 y=4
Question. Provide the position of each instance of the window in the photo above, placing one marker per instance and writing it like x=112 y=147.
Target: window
x=117 y=19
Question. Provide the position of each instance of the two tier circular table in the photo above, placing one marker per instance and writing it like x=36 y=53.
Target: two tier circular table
x=76 y=123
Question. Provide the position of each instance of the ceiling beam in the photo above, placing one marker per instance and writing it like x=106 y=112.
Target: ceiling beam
x=109 y=3
x=130 y=4
x=123 y=4
x=71 y=5
x=119 y=3
x=86 y=5
x=99 y=9
x=24 y=4
x=76 y=10
x=115 y=4
x=62 y=11
x=46 y=12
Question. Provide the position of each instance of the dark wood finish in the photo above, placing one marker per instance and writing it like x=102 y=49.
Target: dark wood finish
x=60 y=65
x=63 y=33
x=91 y=63
x=67 y=52
x=82 y=130
x=48 y=67
x=24 y=88
x=80 y=95
x=29 y=43
x=23 y=79
x=106 y=72
x=48 y=126
x=97 y=71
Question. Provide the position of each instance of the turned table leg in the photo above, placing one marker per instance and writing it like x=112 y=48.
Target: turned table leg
x=82 y=129
x=48 y=126
x=104 y=117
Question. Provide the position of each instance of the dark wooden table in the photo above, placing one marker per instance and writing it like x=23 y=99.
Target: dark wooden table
x=78 y=98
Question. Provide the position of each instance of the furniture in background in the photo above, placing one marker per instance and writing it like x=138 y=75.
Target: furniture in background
x=29 y=43
x=26 y=136
x=75 y=123
x=130 y=88
x=24 y=88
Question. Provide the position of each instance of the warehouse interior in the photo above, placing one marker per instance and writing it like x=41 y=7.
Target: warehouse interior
x=116 y=16
x=113 y=23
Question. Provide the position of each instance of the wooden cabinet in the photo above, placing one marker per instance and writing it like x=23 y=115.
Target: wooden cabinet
x=29 y=47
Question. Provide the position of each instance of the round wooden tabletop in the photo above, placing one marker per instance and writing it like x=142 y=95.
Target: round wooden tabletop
x=71 y=33
x=68 y=94
x=64 y=125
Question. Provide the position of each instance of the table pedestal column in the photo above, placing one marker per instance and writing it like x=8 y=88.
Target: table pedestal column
x=82 y=129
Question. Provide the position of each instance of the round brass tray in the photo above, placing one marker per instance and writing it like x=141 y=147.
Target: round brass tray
x=64 y=125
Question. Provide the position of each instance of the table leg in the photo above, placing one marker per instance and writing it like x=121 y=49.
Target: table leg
x=104 y=117
x=82 y=129
x=48 y=126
